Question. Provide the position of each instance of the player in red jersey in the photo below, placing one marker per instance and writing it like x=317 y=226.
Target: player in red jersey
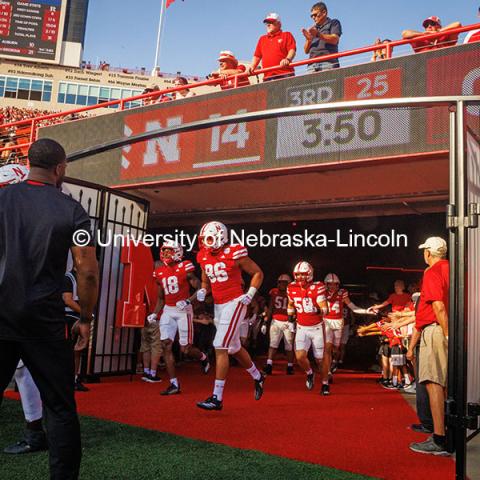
x=222 y=266
x=174 y=279
x=306 y=300
x=280 y=328
x=337 y=299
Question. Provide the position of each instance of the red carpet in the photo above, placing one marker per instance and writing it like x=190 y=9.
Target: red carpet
x=360 y=428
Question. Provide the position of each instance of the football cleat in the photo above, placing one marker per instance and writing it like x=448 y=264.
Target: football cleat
x=325 y=389
x=310 y=381
x=211 y=403
x=33 y=441
x=205 y=365
x=290 y=370
x=171 y=390
x=259 y=387
x=268 y=369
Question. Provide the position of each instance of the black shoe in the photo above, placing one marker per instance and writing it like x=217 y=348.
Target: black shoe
x=310 y=381
x=211 y=403
x=290 y=370
x=154 y=379
x=33 y=441
x=146 y=377
x=205 y=365
x=334 y=367
x=325 y=389
x=80 y=387
x=171 y=390
x=420 y=428
x=268 y=369
x=259 y=387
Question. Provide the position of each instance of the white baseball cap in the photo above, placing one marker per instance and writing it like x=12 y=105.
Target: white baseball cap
x=272 y=17
x=436 y=245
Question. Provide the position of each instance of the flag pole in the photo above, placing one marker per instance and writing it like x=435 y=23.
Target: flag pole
x=159 y=37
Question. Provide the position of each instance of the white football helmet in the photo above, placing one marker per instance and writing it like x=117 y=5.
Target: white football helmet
x=213 y=236
x=303 y=273
x=331 y=278
x=284 y=277
x=171 y=252
x=12 y=173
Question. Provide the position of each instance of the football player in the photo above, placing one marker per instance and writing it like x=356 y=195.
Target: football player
x=307 y=301
x=174 y=278
x=279 y=327
x=337 y=299
x=222 y=266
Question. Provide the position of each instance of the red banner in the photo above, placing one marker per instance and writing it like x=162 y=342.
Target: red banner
x=237 y=144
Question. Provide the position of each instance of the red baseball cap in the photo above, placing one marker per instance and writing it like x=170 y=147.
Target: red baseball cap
x=433 y=19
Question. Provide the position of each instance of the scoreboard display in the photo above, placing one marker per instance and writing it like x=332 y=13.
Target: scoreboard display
x=32 y=29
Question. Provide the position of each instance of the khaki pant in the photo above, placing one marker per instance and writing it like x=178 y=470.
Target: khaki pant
x=151 y=339
x=434 y=355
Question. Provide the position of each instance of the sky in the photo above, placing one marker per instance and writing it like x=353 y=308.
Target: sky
x=123 y=34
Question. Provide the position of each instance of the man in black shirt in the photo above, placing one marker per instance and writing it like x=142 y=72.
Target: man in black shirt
x=37 y=227
x=322 y=38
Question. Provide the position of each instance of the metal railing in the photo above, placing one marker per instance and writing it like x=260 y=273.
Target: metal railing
x=153 y=97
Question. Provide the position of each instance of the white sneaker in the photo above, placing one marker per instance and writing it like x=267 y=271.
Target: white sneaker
x=411 y=389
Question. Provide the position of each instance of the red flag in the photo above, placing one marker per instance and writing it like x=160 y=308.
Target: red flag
x=169 y=2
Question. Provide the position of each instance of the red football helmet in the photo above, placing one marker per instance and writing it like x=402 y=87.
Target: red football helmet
x=213 y=236
x=303 y=273
x=171 y=252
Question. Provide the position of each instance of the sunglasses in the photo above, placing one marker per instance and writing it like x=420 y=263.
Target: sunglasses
x=315 y=15
x=431 y=24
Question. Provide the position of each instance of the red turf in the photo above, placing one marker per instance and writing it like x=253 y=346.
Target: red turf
x=361 y=427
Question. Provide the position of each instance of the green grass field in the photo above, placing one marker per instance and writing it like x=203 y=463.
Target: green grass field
x=120 y=452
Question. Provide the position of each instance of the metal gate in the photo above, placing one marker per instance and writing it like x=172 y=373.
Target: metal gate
x=111 y=349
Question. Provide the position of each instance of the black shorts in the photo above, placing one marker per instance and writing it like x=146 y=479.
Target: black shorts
x=385 y=350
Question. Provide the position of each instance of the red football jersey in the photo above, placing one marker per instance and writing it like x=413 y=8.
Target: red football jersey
x=306 y=302
x=224 y=274
x=174 y=281
x=393 y=336
x=336 y=304
x=279 y=304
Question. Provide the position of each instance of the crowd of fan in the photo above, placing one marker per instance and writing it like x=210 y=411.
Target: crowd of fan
x=276 y=50
x=11 y=137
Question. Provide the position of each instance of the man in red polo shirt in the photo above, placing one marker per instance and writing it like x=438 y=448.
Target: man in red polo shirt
x=431 y=329
x=275 y=48
x=432 y=25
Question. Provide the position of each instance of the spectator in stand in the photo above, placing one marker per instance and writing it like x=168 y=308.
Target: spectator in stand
x=431 y=330
x=432 y=25
x=473 y=35
x=186 y=93
x=229 y=66
x=276 y=48
x=381 y=53
x=322 y=38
